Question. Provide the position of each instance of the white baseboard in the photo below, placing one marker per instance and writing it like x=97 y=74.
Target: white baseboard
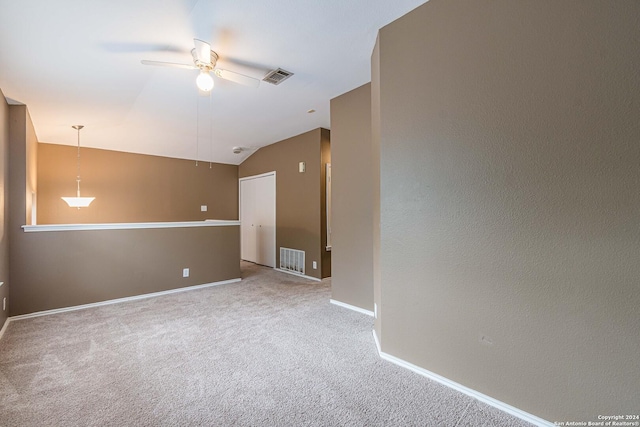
x=466 y=390
x=297 y=274
x=120 y=300
x=351 y=307
x=375 y=338
x=4 y=327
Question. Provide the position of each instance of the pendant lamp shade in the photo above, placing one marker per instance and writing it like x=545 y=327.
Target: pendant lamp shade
x=78 y=202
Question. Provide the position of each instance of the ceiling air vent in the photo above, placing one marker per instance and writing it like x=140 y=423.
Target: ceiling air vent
x=276 y=77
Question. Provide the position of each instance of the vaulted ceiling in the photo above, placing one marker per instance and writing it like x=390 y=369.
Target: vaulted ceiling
x=78 y=62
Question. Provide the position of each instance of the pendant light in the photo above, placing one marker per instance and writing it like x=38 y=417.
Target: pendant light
x=78 y=202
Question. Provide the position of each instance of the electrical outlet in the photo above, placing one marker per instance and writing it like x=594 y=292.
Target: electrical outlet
x=203 y=208
x=485 y=340
x=185 y=272
x=315 y=265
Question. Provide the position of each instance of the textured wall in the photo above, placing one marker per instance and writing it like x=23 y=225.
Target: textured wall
x=375 y=182
x=510 y=197
x=23 y=146
x=4 y=205
x=23 y=152
x=66 y=268
x=325 y=158
x=132 y=187
x=298 y=195
x=352 y=201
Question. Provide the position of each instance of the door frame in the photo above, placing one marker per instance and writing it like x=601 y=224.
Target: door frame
x=275 y=200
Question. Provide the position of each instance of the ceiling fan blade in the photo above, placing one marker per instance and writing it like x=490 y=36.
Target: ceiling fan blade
x=237 y=77
x=203 y=51
x=169 y=64
x=127 y=47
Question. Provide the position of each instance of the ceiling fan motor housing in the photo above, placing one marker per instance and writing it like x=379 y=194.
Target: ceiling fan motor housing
x=202 y=65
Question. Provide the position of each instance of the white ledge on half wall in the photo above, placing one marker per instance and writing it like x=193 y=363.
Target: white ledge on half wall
x=127 y=225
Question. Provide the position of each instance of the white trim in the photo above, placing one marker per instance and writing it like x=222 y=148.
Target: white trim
x=327 y=202
x=126 y=226
x=298 y=275
x=351 y=307
x=375 y=338
x=262 y=175
x=121 y=300
x=4 y=327
x=466 y=390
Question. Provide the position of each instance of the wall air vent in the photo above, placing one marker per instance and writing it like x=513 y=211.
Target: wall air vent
x=276 y=77
x=292 y=260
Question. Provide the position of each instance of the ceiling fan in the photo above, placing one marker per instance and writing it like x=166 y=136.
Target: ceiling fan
x=204 y=59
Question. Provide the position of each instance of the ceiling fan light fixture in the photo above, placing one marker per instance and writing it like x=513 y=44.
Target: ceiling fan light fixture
x=204 y=81
x=205 y=60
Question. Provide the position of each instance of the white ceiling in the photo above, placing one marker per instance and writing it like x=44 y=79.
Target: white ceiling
x=78 y=62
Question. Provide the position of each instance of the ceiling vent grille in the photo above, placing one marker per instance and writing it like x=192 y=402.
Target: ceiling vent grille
x=276 y=77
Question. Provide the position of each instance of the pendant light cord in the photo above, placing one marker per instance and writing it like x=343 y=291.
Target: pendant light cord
x=78 y=127
x=197 y=126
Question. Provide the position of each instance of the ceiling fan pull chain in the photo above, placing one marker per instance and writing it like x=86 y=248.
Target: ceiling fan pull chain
x=197 y=125
x=210 y=129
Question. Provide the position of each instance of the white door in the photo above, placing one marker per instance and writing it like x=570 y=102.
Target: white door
x=247 y=221
x=258 y=219
x=265 y=210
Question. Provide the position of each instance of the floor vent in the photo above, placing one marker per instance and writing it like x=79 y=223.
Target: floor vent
x=276 y=77
x=292 y=260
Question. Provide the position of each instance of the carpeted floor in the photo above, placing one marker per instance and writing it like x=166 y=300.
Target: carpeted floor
x=267 y=351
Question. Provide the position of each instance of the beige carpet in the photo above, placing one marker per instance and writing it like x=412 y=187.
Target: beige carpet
x=267 y=351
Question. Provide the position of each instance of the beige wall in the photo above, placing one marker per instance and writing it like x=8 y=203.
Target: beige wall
x=4 y=205
x=352 y=201
x=65 y=268
x=325 y=158
x=375 y=182
x=62 y=269
x=23 y=146
x=23 y=150
x=510 y=197
x=31 y=155
x=132 y=187
x=298 y=195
